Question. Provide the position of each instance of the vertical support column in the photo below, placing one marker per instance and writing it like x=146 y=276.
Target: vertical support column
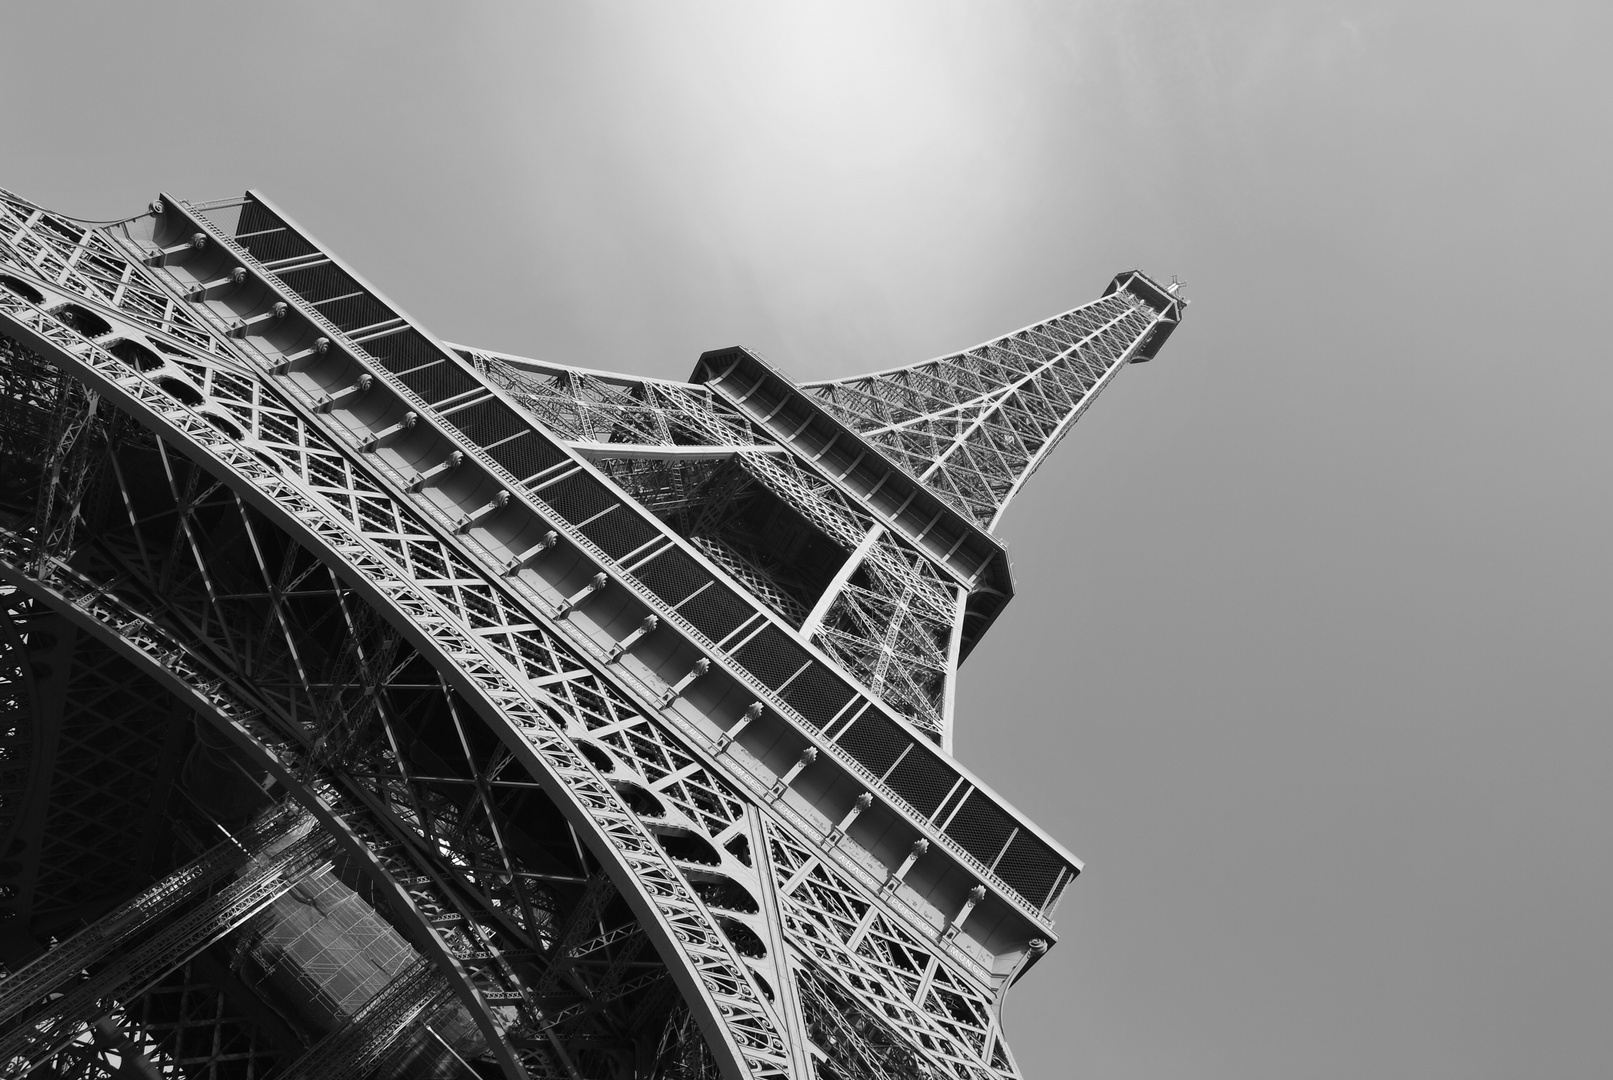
x=949 y=702
x=88 y=947
x=787 y=1002
x=48 y=659
x=821 y=609
x=61 y=1019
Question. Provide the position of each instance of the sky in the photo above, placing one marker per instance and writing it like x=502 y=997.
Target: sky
x=1303 y=662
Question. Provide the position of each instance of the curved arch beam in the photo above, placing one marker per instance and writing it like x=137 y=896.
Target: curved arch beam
x=741 y=1029
x=231 y=713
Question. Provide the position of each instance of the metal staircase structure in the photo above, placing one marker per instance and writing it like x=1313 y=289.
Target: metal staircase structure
x=384 y=707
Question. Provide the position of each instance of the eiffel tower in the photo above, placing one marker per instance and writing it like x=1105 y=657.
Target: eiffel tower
x=378 y=706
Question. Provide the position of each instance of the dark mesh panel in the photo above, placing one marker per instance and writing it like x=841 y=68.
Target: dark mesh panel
x=945 y=810
x=488 y=422
x=356 y=312
x=922 y=780
x=320 y=282
x=255 y=217
x=619 y=532
x=577 y=498
x=526 y=454
x=672 y=576
x=1058 y=892
x=818 y=695
x=273 y=246
x=439 y=382
x=876 y=742
x=1029 y=867
x=771 y=656
x=404 y=350
x=981 y=827
x=270 y=246
x=717 y=612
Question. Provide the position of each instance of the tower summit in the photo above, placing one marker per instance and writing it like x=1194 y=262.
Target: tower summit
x=386 y=707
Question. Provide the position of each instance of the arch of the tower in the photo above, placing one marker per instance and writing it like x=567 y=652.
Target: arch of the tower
x=125 y=786
x=116 y=781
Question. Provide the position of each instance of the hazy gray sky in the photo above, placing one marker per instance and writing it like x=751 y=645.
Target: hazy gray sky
x=1310 y=657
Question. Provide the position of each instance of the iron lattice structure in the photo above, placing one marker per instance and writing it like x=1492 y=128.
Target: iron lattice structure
x=382 y=707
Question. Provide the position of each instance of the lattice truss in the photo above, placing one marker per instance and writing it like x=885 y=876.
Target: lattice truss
x=553 y=845
x=890 y=623
x=975 y=425
x=360 y=696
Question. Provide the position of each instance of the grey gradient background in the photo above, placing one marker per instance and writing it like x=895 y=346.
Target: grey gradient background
x=1309 y=661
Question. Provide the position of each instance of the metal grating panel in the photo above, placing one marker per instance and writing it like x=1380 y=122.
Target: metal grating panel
x=1058 y=891
x=1029 y=866
x=818 y=695
x=266 y=237
x=619 y=532
x=404 y=350
x=981 y=827
x=717 y=612
x=356 y=312
x=875 y=741
x=922 y=781
x=439 y=381
x=316 y=283
x=771 y=656
x=672 y=576
x=578 y=497
x=946 y=808
x=488 y=422
x=526 y=455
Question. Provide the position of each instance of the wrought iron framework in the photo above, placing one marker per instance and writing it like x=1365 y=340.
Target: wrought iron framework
x=380 y=707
